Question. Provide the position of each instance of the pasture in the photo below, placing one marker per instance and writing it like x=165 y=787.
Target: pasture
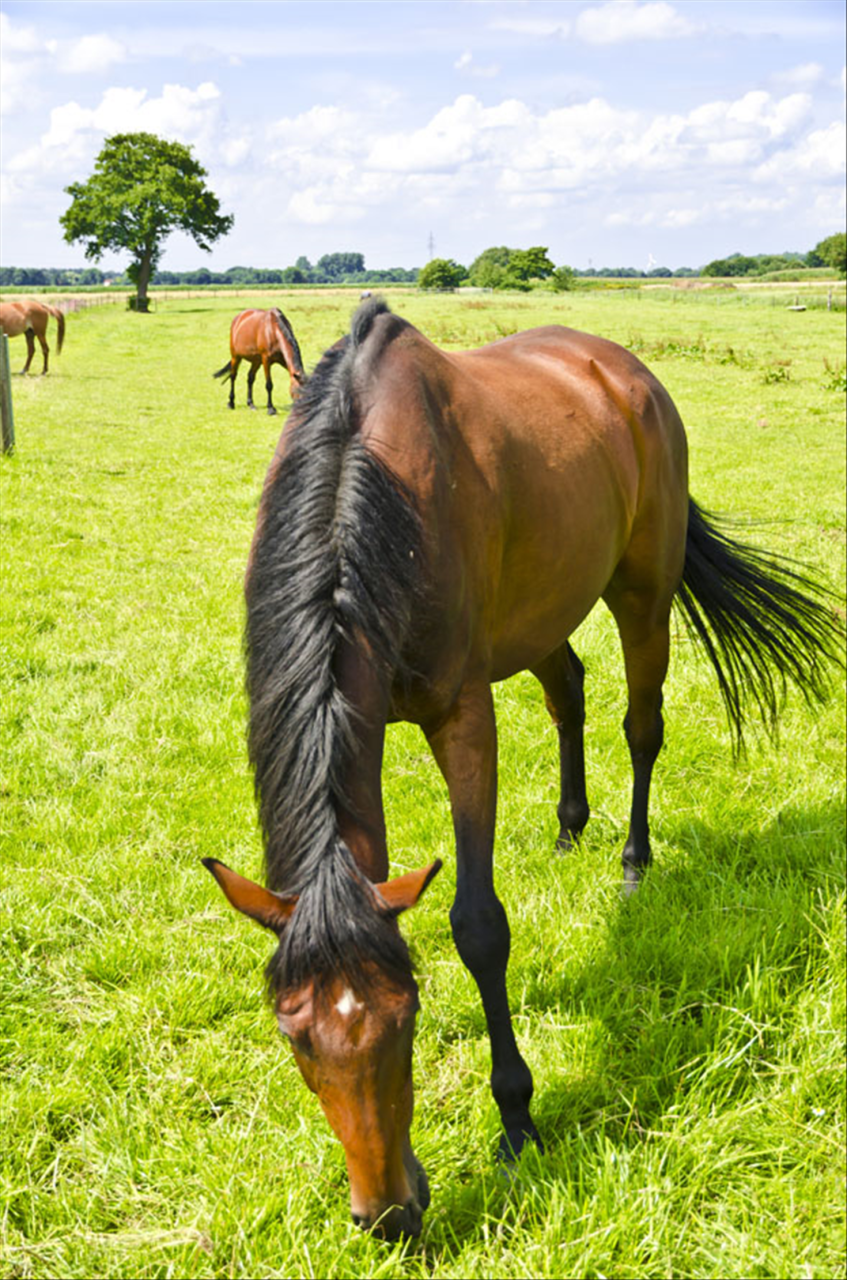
x=687 y=1044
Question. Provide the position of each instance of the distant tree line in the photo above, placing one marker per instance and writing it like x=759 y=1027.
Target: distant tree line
x=831 y=252
x=332 y=268
x=498 y=267
x=503 y=268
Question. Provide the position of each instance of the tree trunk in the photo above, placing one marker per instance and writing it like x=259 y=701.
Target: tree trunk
x=144 y=271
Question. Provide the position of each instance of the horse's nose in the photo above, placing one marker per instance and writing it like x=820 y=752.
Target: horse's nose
x=394 y=1223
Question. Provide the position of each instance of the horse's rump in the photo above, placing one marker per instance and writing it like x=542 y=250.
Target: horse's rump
x=13 y=321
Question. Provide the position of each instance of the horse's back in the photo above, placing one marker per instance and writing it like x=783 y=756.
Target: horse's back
x=253 y=333
x=536 y=460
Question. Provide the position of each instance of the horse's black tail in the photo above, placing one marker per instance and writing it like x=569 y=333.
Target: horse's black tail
x=762 y=619
x=226 y=369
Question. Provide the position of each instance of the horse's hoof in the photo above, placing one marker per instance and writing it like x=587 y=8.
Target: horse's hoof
x=271 y=412
x=513 y=1142
x=251 y=406
x=632 y=878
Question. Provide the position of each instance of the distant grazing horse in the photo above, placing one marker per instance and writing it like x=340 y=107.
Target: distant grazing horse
x=264 y=338
x=30 y=318
x=432 y=522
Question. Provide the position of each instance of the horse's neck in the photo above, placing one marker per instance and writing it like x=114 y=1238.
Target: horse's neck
x=361 y=822
x=285 y=347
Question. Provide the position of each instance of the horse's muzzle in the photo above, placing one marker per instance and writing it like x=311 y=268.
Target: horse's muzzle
x=395 y=1223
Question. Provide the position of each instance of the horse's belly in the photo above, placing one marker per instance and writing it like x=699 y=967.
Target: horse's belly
x=548 y=600
x=569 y=524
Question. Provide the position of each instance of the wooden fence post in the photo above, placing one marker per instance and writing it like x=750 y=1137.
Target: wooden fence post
x=6 y=414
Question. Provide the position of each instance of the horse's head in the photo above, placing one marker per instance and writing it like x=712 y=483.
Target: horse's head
x=296 y=383
x=354 y=1050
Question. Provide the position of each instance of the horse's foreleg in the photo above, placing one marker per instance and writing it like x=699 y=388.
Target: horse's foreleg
x=30 y=350
x=561 y=676
x=266 y=365
x=645 y=636
x=465 y=747
x=251 y=378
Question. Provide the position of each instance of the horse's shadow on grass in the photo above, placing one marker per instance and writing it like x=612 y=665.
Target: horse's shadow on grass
x=658 y=997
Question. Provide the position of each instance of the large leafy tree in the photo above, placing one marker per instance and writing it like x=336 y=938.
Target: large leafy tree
x=332 y=266
x=529 y=264
x=142 y=188
x=441 y=273
x=832 y=252
x=502 y=268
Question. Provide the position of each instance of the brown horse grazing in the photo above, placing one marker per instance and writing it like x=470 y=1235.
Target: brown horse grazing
x=30 y=318
x=264 y=338
x=432 y=522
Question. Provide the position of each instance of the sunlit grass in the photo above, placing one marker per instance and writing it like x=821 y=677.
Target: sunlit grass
x=687 y=1046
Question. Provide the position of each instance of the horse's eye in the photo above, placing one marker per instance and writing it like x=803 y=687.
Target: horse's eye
x=301 y=1041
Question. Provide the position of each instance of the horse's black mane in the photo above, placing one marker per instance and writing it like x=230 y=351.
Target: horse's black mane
x=337 y=556
x=285 y=325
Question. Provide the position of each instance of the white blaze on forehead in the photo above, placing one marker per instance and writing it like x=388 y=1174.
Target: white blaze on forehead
x=348 y=1004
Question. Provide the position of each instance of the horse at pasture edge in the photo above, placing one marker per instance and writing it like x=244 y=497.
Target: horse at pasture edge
x=30 y=318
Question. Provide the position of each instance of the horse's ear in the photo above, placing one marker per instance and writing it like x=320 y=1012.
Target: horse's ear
x=403 y=891
x=273 y=910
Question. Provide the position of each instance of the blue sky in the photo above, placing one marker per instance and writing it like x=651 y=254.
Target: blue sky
x=618 y=132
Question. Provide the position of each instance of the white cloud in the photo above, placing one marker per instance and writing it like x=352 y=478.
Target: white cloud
x=312 y=207
x=17 y=39
x=453 y=137
x=91 y=54
x=15 y=80
x=19 y=47
x=830 y=207
x=466 y=64
x=621 y=20
x=819 y=155
x=320 y=125
x=680 y=218
x=187 y=115
x=336 y=164
x=571 y=146
x=806 y=75
x=738 y=207
x=545 y=27
x=179 y=113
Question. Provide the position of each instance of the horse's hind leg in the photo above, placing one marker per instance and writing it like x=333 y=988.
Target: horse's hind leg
x=561 y=676
x=30 y=350
x=45 y=351
x=644 y=626
x=465 y=747
x=233 y=373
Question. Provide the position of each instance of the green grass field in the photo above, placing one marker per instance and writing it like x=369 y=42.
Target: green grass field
x=687 y=1044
